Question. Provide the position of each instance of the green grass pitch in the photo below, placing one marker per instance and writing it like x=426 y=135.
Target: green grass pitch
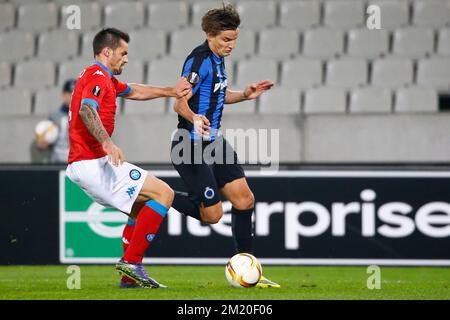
x=209 y=283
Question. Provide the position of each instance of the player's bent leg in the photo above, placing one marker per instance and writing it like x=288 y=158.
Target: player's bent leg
x=155 y=189
x=150 y=208
x=239 y=194
x=211 y=214
x=243 y=201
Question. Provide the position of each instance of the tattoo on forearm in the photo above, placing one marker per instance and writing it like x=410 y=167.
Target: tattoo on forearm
x=92 y=121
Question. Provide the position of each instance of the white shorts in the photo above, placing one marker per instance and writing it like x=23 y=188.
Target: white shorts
x=110 y=186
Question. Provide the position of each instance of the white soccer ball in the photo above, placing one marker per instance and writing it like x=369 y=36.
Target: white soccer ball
x=243 y=270
x=46 y=131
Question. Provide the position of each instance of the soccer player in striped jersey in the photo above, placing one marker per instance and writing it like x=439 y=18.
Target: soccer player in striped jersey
x=200 y=114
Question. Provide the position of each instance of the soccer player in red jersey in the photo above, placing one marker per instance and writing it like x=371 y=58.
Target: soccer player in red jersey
x=98 y=166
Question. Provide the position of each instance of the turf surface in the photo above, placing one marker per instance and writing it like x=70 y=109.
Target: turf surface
x=208 y=282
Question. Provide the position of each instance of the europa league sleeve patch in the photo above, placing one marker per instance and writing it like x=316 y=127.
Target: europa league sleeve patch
x=96 y=91
x=193 y=78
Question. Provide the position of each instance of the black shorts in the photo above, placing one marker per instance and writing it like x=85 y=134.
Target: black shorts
x=208 y=167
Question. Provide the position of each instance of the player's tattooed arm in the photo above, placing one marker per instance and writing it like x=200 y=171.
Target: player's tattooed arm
x=93 y=123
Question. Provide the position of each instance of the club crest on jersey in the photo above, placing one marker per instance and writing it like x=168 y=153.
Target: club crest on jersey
x=209 y=193
x=220 y=85
x=96 y=91
x=99 y=73
x=135 y=174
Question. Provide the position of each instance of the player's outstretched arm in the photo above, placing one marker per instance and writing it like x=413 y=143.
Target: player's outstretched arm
x=91 y=119
x=252 y=91
x=146 y=92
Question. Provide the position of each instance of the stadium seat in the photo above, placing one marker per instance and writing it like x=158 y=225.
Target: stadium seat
x=16 y=45
x=244 y=107
x=371 y=100
x=71 y=69
x=91 y=14
x=444 y=42
x=86 y=44
x=147 y=44
x=47 y=101
x=433 y=14
x=367 y=43
x=280 y=101
x=19 y=2
x=257 y=14
x=253 y=70
x=7 y=16
x=5 y=74
x=325 y=100
x=15 y=101
x=323 y=43
x=200 y=8
x=168 y=15
x=278 y=43
x=68 y=2
x=300 y=15
x=34 y=74
x=394 y=13
x=435 y=73
x=416 y=99
x=346 y=72
x=164 y=72
x=183 y=41
x=229 y=70
x=301 y=73
x=245 y=45
x=38 y=16
x=124 y=15
x=155 y=106
x=413 y=42
x=344 y=14
x=133 y=72
x=58 y=45
x=105 y=2
x=392 y=72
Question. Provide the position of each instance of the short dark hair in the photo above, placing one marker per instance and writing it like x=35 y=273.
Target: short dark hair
x=221 y=19
x=109 y=37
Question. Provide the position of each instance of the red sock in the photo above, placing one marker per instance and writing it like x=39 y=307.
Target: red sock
x=147 y=224
x=126 y=238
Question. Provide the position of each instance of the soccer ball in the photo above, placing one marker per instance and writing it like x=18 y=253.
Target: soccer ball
x=243 y=270
x=46 y=131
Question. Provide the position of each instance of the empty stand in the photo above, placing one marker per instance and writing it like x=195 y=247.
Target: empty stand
x=301 y=73
x=280 y=101
x=371 y=100
x=325 y=100
x=416 y=99
x=392 y=72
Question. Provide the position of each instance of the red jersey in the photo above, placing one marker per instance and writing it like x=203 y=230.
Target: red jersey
x=96 y=86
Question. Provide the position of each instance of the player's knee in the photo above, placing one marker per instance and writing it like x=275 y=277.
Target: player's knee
x=211 y=215
x=245 y=201
x=167 y=195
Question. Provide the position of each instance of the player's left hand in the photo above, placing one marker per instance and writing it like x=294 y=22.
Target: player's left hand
x=254 y=90
x=182 y=88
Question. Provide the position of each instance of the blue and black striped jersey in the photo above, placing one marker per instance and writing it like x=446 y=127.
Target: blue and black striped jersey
x=209 y=92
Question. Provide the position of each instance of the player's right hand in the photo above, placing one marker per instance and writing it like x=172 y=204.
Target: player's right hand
x=182 y=88
x=202 y=125
x=115 y=155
